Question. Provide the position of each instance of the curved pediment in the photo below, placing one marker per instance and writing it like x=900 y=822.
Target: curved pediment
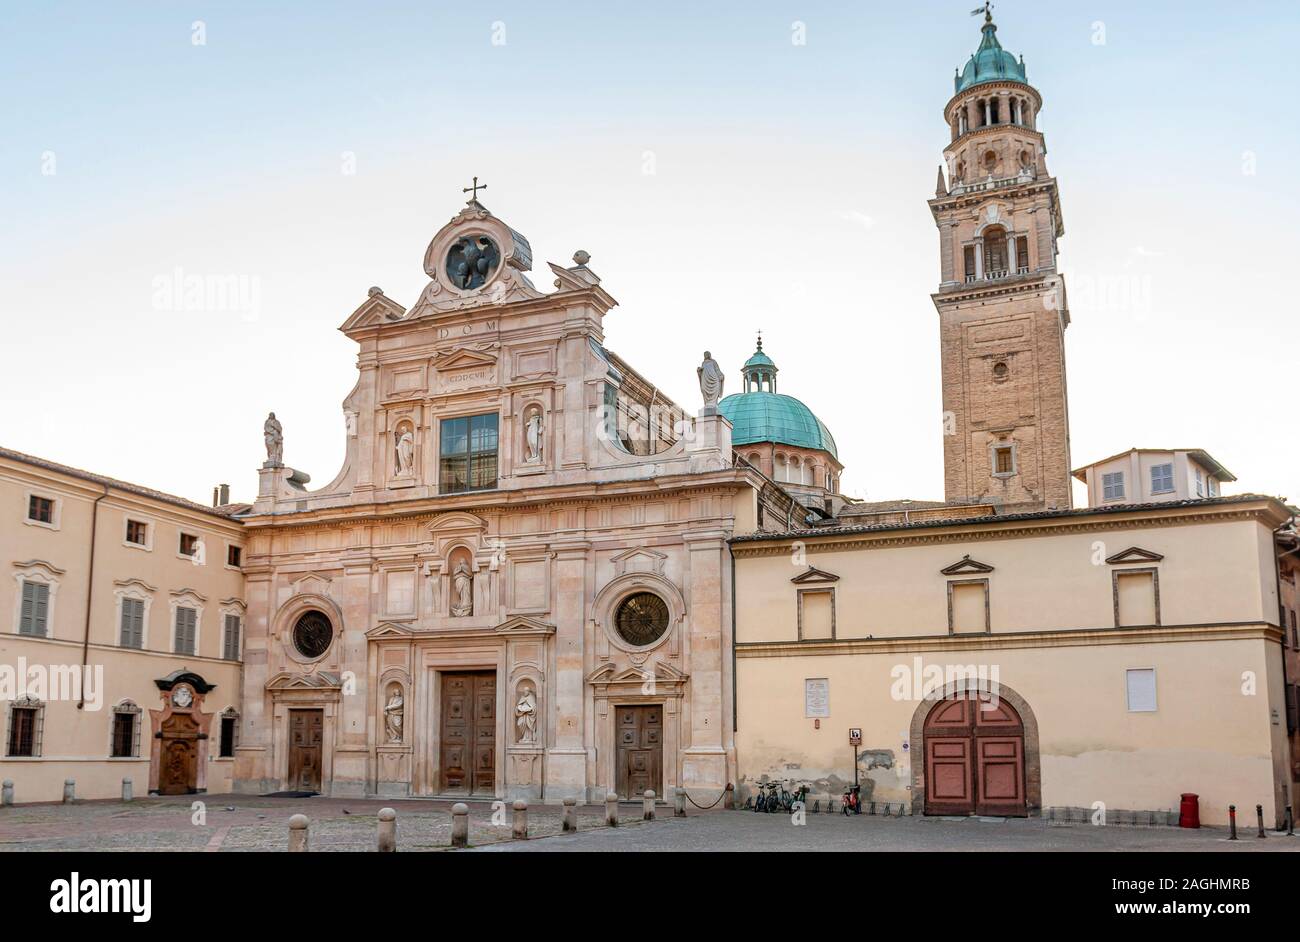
x=457 y=521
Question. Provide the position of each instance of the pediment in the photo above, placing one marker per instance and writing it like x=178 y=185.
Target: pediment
x=522 y=625
x=49 y=569
x=375 y=311
x=814 y=576
x=138 y=584
x=317 y=680
x=1135 y=554
x=573 y=279
x=456 y=520
x=390 y=629
x=966 y=565
x=465 y=358
x=663 y=674
x=639 y=559
x=311 y=583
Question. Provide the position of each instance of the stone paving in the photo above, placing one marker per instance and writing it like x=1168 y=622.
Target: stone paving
x=247 y=823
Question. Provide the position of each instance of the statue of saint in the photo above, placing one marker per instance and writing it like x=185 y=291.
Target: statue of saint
x=533 y=431
x=405 y=452
x=273 y=433
x=711 y=380
x=526 y=715
x=462 y=591
x=393 y=716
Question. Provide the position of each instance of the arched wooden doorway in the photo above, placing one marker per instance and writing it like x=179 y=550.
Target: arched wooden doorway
x=974 y=746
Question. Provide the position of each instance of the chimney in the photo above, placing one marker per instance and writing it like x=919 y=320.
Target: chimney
x=215 y=494
x=225 y=494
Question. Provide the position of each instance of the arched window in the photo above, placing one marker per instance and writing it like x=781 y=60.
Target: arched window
x=995 y=251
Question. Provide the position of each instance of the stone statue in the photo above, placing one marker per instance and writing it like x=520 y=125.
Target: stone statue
x=533 y=431
x=273 y=433
x=526 y=714
x=405 y=452
x=462 y=591
x=393 y=716
x=711 y=380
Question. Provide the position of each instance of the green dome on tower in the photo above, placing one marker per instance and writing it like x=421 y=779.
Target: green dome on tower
x=760 y=414
x=991 y=63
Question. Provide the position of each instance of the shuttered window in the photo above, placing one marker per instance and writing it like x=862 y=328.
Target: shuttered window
x=230 y=641
x=132 y=633
x=1162 y=478
x=35 y=615
x=186 y=630
x=1112 y=486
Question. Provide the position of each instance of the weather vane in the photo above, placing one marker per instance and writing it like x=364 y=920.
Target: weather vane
x=987 y=10
x=474 y=189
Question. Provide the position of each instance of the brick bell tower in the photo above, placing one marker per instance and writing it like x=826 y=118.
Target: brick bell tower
x=1001 y=303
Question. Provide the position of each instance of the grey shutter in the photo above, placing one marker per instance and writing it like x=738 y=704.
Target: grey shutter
x=132 y=623
x=34 y=617
x=185 y=625
x=42 y=609
x=231 y=652
x=28 y=615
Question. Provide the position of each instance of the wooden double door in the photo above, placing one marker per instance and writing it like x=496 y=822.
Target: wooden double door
x=639 y=731
x=179 y=755
x=306 y=748
x=468 y=742
x=975 y=758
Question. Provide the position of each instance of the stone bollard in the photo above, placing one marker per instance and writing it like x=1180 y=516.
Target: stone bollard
x=570 y=814
x=7 y=793
x=611 y=810
x=127 y=787
x=679 y=804
x=460 y=824
x=69 y=791
x=298 y=843
x=648 y=805
x=387 y=831
x=729 y=799
x=520 y=824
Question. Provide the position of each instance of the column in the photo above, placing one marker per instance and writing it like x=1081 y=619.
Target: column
x=988 y=111
x=350 y=774
x=253 y=774
x=566 y=760
x=1011 y=252
x=704 y=762
x=979 y=260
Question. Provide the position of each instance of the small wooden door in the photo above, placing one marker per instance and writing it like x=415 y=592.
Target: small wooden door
x=974 y=758
x=640 y=757
x=178 y=773
x=469 y=733
x=306 y=740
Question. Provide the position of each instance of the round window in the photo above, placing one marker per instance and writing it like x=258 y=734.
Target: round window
x=312 y=635
x=642 y=619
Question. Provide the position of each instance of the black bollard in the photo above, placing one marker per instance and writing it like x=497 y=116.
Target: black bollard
x=1232 y=822
x=1290 y=823
x=1259 y=813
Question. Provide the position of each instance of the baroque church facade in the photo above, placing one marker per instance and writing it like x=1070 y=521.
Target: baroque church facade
x=535 y=576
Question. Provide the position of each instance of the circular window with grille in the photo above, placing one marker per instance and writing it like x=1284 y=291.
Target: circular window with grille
x=642 y=619
x=312 y=635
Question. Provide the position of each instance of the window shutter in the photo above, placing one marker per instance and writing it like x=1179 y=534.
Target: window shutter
x=231 y=652
x=185 y=625
x=132 y=623
x=27 y=619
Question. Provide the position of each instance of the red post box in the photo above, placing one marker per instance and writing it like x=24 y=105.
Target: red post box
x=1189 y=813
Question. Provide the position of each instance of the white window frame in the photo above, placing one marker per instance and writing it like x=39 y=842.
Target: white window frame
x=229 y=713
x=1155 y=689
x=225 y=559
x=140 y=592
x=1169 y=477
x=1105 y=486
x=1200 y=483
x=187 y=598
x=237 y=608
x=994 y=448
x=149 y=527
x=56 y=517
x=37 y=570
x=130 y=708
x=200 y=548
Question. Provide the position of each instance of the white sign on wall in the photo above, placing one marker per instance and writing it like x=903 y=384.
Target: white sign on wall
x=817 y=697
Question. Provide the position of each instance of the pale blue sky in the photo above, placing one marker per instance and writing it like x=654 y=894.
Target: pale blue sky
x=788 y=193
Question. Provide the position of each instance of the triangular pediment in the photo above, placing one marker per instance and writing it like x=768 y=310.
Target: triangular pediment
x=966 y=565
x=1135 y=554
x=374 y=311
x=464 y=359
x=390 y=629
x=663 y=674
x=523 y=625
x=814 y=576
x=318 y=680
x=639 y=559
x=311 y=583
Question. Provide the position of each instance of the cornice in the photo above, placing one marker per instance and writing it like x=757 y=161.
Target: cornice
x=974 y=91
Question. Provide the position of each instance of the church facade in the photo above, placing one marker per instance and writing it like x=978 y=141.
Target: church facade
x=519 y=583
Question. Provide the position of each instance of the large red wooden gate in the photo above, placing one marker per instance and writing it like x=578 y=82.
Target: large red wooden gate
x=975 y=757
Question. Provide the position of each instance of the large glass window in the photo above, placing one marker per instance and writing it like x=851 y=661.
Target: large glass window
x=468 y=454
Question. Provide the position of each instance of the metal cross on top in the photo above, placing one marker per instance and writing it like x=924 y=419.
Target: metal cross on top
x=474 y=189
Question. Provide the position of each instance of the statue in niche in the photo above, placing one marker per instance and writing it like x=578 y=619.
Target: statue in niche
x=273 y=434
x=405 y=451
x=526 y=714
x=533 y=435
x=462 y=591
x=393 y=711
x=711 y=381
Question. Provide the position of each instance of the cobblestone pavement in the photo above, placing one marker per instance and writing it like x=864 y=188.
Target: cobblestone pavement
x=261 y=824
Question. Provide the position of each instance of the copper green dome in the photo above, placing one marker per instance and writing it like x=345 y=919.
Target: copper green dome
x=990 y=63
x=760 y=414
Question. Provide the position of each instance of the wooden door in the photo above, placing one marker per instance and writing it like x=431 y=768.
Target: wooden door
x=640 y=758
x=469 y=733
x=179 y=756
x=974 y=758
x=306 y=744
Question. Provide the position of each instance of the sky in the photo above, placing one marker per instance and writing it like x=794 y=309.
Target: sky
x=730 y=167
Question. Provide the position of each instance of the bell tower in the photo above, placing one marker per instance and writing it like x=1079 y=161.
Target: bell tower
x=1001 y=300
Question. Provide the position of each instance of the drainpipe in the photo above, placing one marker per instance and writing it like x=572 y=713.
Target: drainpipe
x=90 y=592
